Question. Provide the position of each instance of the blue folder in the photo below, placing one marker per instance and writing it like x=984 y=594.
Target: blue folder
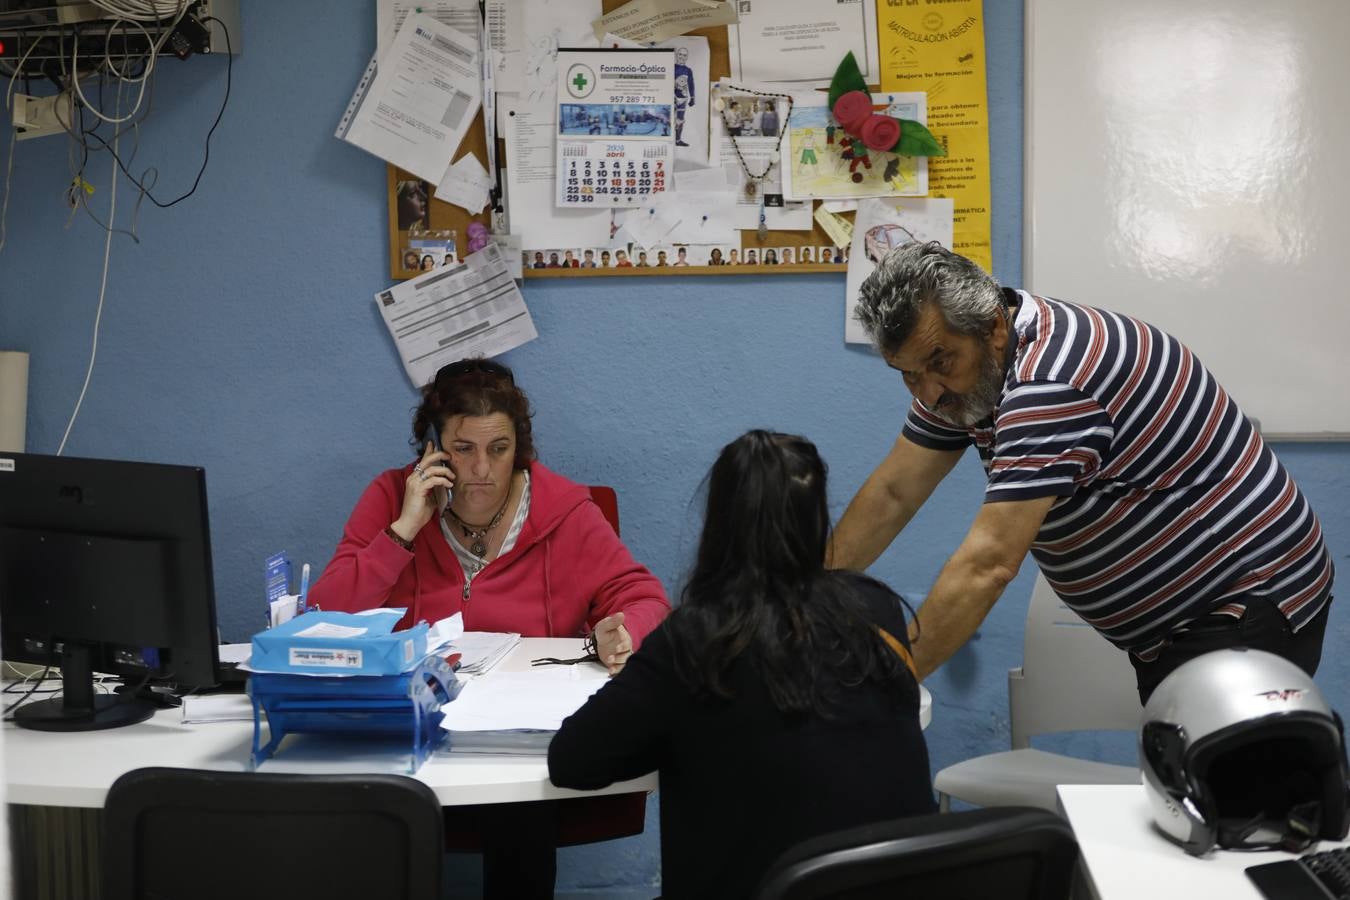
x=339 y=643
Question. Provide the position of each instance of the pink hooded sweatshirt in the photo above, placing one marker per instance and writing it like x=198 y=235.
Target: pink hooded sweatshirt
x=567 y=570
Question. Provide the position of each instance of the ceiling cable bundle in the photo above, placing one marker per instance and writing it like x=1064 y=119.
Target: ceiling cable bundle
x=140 y=30
x=145 y=29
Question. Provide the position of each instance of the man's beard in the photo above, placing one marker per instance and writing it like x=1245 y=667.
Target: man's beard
x=972 y=408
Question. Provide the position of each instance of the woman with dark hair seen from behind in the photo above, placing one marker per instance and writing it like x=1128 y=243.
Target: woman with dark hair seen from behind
x=514 y=548
x=776 y=702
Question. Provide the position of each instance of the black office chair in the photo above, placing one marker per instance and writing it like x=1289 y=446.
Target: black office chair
x=252 y=836
x=1008 y=853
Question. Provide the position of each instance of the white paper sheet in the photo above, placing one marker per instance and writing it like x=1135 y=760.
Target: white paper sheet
x=505 y=22
x=233 y=654
x=656 y=20
x=681 y=217
x=550 y=25
x=470 y=309
x=519 y=700
x=529 y=179
x=198 y=709
x=649 y=225
x=691 y=100
x=466 y=184
x=802 y=41
x=444 y=632
x=880 y=225
x=461 y=15
x=481 y=650
x=422 y=100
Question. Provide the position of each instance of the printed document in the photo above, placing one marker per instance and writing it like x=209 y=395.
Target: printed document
x=657 y=20
x=461 y=15
x=470 y=309
x=505 y=24
x=802 y=41
x=940 y=50
x=481 y=650
x=425 y=95
x=529 y=189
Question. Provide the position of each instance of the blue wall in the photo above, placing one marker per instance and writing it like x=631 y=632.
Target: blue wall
x=240 y=335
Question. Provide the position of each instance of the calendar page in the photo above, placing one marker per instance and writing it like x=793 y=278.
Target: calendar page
x=616 y=143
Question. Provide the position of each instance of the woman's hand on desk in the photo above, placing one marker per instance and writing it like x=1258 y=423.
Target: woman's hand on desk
x=421 y=499
x=613 y=643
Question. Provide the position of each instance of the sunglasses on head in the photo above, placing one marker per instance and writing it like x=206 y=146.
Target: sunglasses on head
x=470 y=366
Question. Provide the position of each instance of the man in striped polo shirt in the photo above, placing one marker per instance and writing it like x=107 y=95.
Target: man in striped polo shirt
x=1151 y=504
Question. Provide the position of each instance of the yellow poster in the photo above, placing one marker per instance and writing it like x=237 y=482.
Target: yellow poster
x=937 y=46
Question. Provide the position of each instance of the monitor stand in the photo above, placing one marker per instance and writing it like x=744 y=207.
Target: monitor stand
x=79 y=708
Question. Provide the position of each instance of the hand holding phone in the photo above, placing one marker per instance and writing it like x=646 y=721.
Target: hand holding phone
x=432 y=436
x=426 y=492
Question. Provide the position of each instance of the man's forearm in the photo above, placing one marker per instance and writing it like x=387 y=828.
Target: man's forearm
x=868 y=526
x=955 y=607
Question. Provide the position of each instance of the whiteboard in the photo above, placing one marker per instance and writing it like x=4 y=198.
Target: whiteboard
x=1188 y=163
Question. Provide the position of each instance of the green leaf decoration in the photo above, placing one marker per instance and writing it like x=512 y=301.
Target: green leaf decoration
x=848 y=77
x=915 y=140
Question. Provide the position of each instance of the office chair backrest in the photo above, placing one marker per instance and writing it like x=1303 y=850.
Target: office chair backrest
x=253 y=836
x=1071 y=679
x=1008 y=853
x=608 y=501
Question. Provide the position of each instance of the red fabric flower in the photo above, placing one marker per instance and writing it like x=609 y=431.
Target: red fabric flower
x=880 y=132
x=852 y=110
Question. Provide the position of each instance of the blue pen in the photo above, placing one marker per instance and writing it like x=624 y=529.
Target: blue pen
x=304 y=588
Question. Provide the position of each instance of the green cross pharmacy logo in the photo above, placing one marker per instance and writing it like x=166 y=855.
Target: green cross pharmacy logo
x=580 y=80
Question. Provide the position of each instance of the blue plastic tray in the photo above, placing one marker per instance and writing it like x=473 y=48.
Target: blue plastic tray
x=407 y=704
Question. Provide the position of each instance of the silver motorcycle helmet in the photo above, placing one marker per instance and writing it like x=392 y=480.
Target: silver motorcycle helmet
x=1239 y=750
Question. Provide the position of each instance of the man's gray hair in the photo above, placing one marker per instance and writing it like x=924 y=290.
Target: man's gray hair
x=913 y=274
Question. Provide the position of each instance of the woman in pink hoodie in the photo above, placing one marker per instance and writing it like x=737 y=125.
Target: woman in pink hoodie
x=516 y=548
x=481 y=528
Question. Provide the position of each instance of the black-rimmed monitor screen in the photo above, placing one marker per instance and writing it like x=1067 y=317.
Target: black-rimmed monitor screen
x=105 y=566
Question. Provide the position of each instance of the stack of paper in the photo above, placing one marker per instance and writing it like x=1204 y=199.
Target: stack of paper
x=481 y=650
x=516 y=712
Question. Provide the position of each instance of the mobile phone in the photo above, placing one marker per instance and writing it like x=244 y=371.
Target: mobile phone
x=443 y=496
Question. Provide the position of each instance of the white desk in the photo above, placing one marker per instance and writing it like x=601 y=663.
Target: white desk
x=76 y=769
x=1126 y=856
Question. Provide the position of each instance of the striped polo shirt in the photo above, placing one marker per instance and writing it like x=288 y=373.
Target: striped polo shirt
x=1171 y=506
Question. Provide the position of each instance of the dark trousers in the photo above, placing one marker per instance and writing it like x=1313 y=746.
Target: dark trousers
x=1262 y=627
x=520 y=859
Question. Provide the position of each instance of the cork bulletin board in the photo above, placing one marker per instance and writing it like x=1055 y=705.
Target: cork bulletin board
x=410 y=201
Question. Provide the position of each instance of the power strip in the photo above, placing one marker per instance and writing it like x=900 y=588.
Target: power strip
x=37 y=116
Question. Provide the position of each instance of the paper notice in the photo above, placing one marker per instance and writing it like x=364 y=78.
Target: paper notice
x=941 y=51
x=656 y=20
x=471 y=309
x=466 y=184
x=422 y=101
x=837 y=227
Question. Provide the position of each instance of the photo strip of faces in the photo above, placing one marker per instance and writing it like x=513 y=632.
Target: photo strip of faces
x=632 y=256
